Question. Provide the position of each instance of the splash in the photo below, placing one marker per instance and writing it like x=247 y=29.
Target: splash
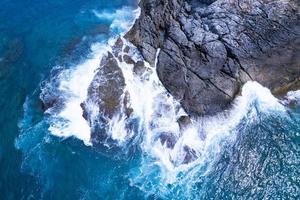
x=121 y=20
x=292 y=97
x=166 y=171
x=74 y=85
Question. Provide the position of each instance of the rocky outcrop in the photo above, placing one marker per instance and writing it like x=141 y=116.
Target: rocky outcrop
x=210 y=48
x=107 y=100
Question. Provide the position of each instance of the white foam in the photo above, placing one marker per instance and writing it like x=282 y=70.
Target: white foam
x=121 y=19
x=159 y=113
x=157 y=110
x=146 y=97
x=253 y=94
x=75 y=85
x=205 y=134
x=292 y=96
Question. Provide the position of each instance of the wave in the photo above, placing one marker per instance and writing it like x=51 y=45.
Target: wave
x=164 y=171
x=74 y=85
x=120 y=20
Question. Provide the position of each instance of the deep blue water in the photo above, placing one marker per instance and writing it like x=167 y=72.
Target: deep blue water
x=262 y=162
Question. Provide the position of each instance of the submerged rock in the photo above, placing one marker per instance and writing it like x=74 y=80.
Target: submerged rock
x=210 y=48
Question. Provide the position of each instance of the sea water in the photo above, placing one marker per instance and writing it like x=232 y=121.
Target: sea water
x=50 y=50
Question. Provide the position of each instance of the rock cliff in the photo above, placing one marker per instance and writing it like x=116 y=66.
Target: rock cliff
x=210 y=48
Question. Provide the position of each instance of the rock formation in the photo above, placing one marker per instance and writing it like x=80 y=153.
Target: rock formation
x=210 y=48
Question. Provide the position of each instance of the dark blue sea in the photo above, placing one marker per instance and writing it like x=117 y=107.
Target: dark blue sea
x=251 y=155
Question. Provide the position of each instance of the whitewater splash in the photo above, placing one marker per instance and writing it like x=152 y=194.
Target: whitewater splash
x=175 y=148
x=121 y=19
x=74 y=85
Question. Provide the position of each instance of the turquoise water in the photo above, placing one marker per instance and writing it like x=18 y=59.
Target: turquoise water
x=38 y=40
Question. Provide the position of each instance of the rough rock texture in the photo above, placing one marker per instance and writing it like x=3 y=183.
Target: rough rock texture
x=108 y=91
x=107 y=97
x=107 y=88
x=209 y=48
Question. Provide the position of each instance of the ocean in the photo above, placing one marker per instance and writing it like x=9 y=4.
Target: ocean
x=49 y=52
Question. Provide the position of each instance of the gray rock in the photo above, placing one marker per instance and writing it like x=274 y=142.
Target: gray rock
x=184 y=122
x=107 y=87
x=117 y=48
x=128 y=59
x=210 y=48
x=139 y=68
